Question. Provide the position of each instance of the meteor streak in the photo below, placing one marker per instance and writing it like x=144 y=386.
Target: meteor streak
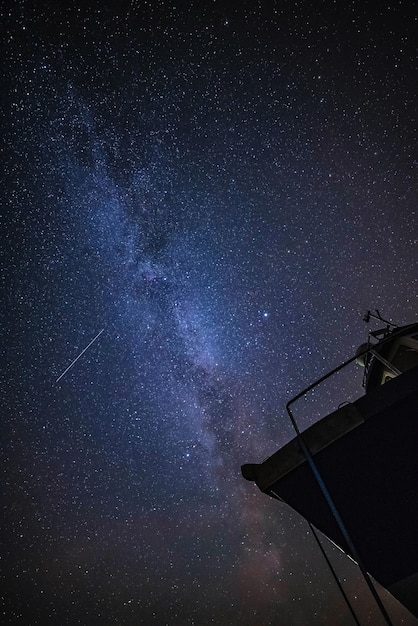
x=80 y=355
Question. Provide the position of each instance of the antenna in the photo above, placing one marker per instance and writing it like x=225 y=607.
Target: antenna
x=378 y=316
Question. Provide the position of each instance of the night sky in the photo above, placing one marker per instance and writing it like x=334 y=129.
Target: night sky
x=223 y=189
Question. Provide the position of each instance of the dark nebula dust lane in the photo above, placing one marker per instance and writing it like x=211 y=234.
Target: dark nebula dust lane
x=200 y=203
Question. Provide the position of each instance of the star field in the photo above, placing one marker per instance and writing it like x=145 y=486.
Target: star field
x=224 y=189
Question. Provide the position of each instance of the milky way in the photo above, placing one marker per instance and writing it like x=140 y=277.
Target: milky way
x=223 y=191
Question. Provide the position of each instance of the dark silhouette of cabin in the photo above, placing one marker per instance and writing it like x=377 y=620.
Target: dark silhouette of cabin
x=367 y=455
